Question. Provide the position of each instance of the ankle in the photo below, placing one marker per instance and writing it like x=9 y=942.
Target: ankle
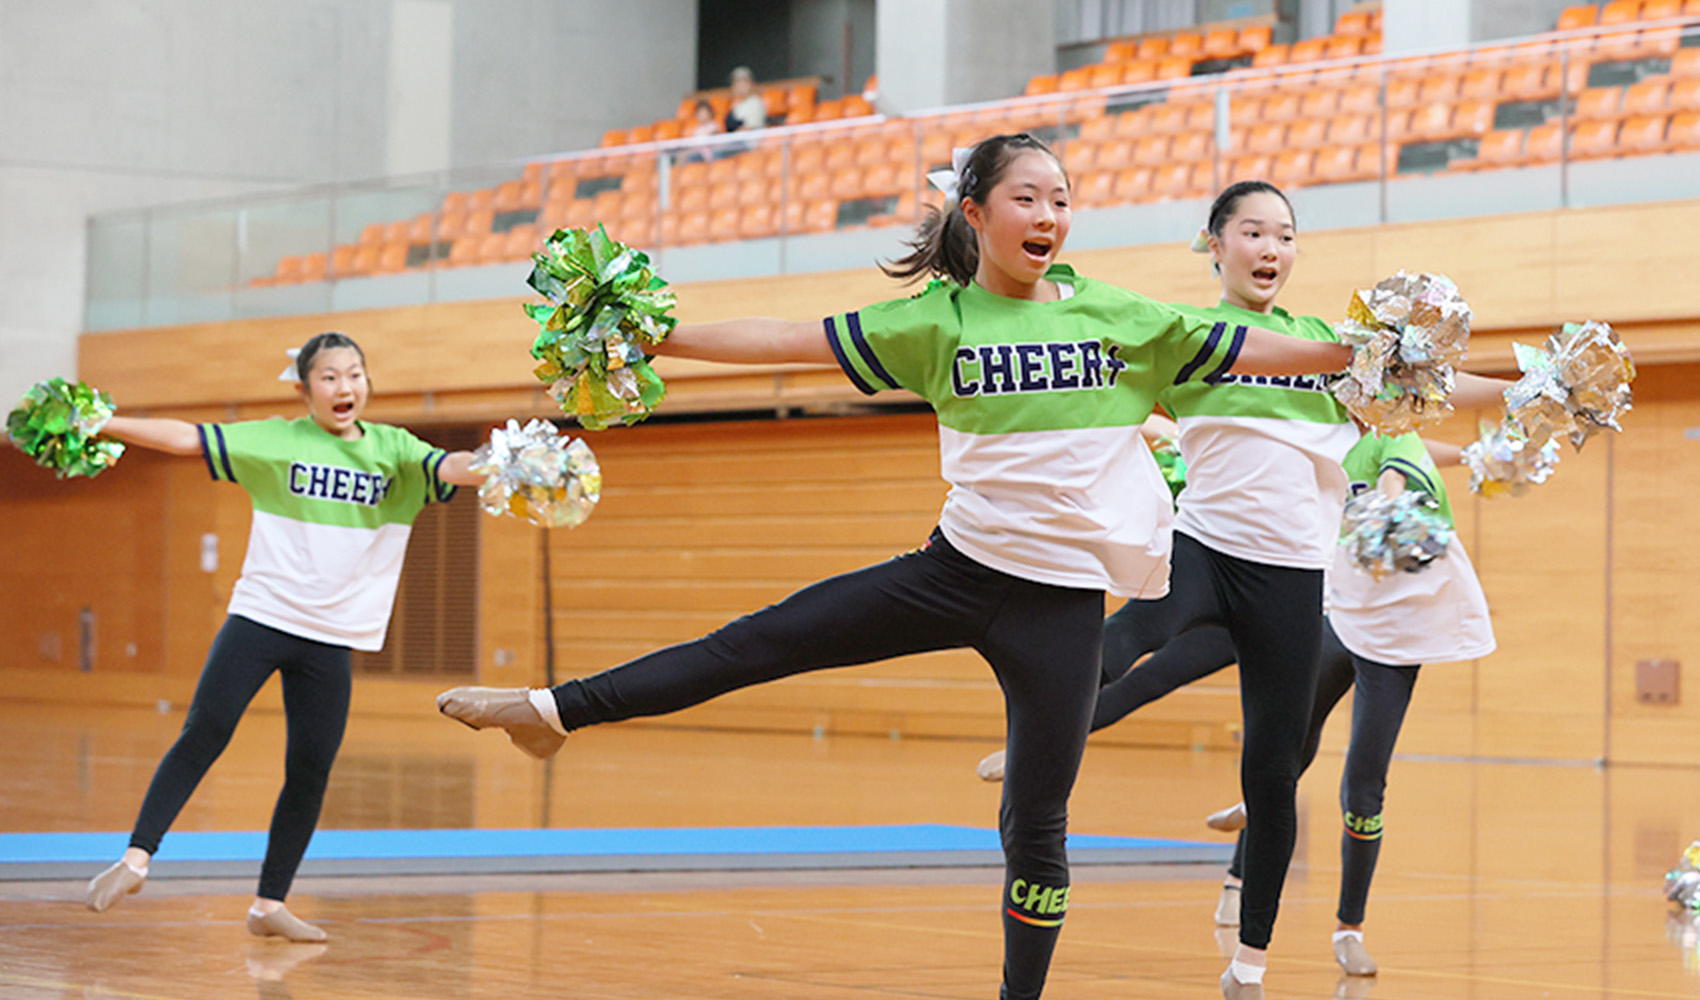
x=136 y=859
x=265 y=907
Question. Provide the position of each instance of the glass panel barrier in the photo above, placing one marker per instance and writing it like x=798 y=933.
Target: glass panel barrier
x=1603 y=115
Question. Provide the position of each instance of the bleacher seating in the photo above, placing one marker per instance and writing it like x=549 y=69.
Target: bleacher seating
x=1137 y=126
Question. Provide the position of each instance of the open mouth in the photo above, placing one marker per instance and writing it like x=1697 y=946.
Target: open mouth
x=342 y=409
x=1265 y=274
x=1037 y=248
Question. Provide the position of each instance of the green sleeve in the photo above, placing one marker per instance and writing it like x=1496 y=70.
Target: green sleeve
x=895 y=344
x=1407 y=456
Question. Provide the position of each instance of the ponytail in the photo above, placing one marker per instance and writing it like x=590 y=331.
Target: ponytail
x=945 y=245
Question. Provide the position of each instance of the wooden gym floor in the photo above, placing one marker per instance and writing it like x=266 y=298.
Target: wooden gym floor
x=1497 y=880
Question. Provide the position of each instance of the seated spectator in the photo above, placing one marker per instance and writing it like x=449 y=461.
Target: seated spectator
x=703 y=124
x=748 y=109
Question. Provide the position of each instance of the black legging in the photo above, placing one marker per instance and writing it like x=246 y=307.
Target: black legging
x=1042 y=643
x=1274 y=616
x=1378 y=712
x=315 y=705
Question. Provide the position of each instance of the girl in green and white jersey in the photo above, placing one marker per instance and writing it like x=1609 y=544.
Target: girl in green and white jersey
x=334 y=501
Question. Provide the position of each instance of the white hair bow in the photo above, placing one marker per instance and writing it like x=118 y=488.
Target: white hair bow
x=950 y=181
x=290 y=374
x=1201 y=242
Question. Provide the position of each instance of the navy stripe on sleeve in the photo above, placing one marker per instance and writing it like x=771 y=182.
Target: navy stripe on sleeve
x=1411 y=470
x=1229 y=358
x=223 y=453
x=206 y=451
x=1203 y=354
x=866 y=350
x=435 y=488
x=844 y=361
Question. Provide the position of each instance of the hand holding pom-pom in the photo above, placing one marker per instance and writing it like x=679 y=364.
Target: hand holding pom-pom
x=1408 y=335
x=1576 y=385
x=1505 y=462
x=58 y=424
x=539 y=474
x=1682 y=883
x=606 y=306
x=1385 y=535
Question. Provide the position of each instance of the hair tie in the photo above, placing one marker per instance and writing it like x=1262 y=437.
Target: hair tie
x=290 y=374
x=1201 y=242
x=957 y=179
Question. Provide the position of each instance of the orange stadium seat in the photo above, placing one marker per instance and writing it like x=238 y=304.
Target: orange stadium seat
x=1472 y=117
x=1221 y=43
x=1093 y=188
x=1139 y=71
x=1153 y=47
x=1684 y=94
x=1174 y=68
x=1660 y=10
x=1580 y=16
x=1369 y=160
x=1254 y=167
x=1531 y=81
x=1266 y=138
x=1095 y=129
x=1429 y=121
x=811 y=217
x=1615 y=47
x=1686 y=62
x=1115 y=155
x=1104 y=75
x=1256 y=37
x=1543 y=143
x=1336 y=164
x=1292 y=168
x=1658 y=43
x=1179 y=180
x=1283 y=105
x=1620 y=12
x=1186 y=43
x=1121 y=51
x=1190 y=146
x=1044 y=84
x=661 y=131
x=1308 y=51
x=1360 y=98
x=1074 y=79
x=1599 y=102
x=1684 y=131
x=758 y=222
x=1152 y=150
x=1320 y=103
x=1441 y=86
x=1403 y=91
x=1201 y=116
x=1593 y=139
x=1270 y=55
x=1307 y=133
x=1170 y=116
x=1480 y=83
x=1342 y=47
x=1498 y=148
x=1133 y=184
x=1354 y=22
x=1351 y=129
x=1642 y=134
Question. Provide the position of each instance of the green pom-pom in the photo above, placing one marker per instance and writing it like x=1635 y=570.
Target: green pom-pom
x=605 y=308
x=58 y=423
x=1170 y=463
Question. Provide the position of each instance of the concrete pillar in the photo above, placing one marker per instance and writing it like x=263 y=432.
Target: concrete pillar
x=930 y=53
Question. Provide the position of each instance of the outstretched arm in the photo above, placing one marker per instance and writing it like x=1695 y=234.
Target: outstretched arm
x=752 y=341
x=1479 y=392
x=1156 y=427
x=1265 y=352
x=1444 y=454
x=457 y=470
x=175 y=437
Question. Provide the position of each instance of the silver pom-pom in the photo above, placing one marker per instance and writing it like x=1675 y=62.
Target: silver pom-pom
x=1504 y=462
x=1408 y=335
x=537 y=473
x=1575 y=386
x=1682 y=883
x=1397 y=534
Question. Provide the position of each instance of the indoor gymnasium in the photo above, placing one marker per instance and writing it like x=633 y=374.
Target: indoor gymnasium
x=818 y=499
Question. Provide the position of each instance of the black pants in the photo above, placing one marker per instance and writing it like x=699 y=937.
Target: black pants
x=1274 y=616
x=1042 y=643
x=1383 y=693
x=315 y=704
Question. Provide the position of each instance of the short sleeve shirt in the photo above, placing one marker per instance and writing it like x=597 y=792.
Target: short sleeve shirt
x=1038 y=407
x=331 y=522
x=1262 y=453
x=1435 y=615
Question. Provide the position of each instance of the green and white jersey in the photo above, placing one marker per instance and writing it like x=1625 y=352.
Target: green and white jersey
x=1437 y=615
x=331 y=520
x=1263 y=453
x=1039 y=405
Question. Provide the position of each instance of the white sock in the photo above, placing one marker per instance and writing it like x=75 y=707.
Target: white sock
x=543 y=700
x=1338 y=935
x=142 y=871
x=1246 y=974
x=257 y=913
